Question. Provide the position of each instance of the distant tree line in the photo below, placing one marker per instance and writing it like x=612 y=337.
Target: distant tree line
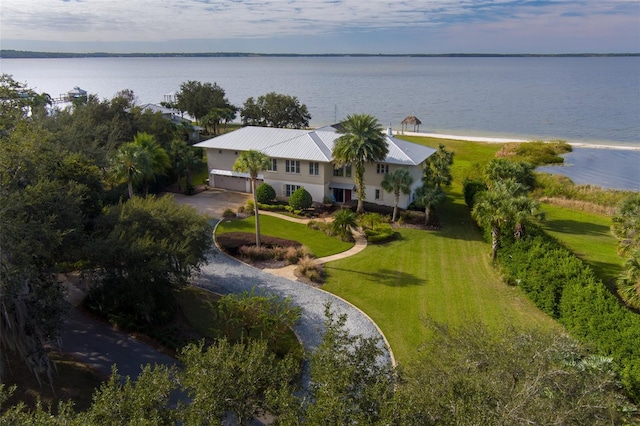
x=9 y=53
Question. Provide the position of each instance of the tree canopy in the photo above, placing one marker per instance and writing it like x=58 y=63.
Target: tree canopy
x=275 y=110
x=199 y=99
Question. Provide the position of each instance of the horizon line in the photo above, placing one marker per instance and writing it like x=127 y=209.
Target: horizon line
x=16 y=54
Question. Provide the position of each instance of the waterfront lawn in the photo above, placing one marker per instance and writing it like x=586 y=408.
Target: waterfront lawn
x=444 y=275
x=469 y=158
x=588 y=235
x=318 y=242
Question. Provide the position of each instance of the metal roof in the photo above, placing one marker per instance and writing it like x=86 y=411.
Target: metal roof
x=309 y=145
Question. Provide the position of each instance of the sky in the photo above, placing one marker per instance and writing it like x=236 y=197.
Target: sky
x=322 y=26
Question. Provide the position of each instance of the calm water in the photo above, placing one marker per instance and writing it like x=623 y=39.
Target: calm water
x=589 y=100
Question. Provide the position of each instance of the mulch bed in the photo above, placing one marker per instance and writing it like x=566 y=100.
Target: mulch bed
x=232 y=241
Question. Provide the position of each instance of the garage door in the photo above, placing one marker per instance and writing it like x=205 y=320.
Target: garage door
x=231 y=183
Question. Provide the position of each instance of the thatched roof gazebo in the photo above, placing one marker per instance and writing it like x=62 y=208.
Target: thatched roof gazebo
x=411 y=120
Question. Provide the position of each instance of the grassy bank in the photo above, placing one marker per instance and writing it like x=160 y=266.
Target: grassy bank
x=588 y=235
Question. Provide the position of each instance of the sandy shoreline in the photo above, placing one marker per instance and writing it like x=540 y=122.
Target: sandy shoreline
x=506 y=140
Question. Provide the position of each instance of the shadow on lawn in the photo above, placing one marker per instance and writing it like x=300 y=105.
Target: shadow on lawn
x=572 y=226
x=386 y=277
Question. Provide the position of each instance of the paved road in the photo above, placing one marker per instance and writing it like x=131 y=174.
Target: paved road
x=100 y=346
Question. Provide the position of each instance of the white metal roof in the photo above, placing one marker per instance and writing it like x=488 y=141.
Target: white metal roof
x=309 y=145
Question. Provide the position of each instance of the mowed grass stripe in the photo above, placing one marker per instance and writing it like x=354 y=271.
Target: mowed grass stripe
x=444 y=275
x=588 y=235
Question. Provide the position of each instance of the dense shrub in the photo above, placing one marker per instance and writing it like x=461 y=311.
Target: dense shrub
x=300 y=199
x=228 y=214
x=265 y=193
x=471 y=187
x=380 y=233
x=563 y=286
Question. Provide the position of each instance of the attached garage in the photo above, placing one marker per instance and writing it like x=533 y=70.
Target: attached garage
x=232 y=181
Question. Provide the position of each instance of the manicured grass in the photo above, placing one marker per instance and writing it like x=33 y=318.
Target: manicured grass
x=469 y=158
x=588 y=235
x=443 y=275
x=318 y=242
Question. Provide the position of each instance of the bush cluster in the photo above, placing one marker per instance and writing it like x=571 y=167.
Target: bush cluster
x=564 y=287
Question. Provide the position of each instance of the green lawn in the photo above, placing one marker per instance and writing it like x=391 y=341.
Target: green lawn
x=443 y=275
x=588 y=235
x=318 y=242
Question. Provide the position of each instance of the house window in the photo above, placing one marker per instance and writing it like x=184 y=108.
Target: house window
x=273 y=165
x=292 y=166
x=382 y=168
x=342 y=170
x=290 y=189
x=314 y=168
x=377 y=194
x=219 y=151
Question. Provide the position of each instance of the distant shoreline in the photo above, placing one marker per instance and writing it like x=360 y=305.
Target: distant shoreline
x=20 y=54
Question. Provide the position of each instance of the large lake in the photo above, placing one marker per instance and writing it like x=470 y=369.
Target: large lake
x=593 y=100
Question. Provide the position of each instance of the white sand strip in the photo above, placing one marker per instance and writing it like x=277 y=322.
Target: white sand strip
x=459 y=138
x=506 y=140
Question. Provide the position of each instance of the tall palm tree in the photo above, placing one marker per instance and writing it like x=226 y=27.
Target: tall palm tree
x=131 y=163
x=362 y=142
x=399 y=181
x=495 y=208
x=160 y=161
x=253 y=162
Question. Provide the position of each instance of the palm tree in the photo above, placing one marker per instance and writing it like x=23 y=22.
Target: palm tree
x=131 y=163
x=160 y=161
x=496 y=207
x=626 y=225
x=362 y=142
x=253 y=162
x=429 y=197
x=525 y=209
x=399 y=181
x=343 y=223
x=629 y=281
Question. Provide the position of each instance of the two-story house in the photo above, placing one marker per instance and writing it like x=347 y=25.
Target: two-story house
x=302 y=158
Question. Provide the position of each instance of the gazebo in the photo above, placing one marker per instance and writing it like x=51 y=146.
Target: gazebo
x=413 y=120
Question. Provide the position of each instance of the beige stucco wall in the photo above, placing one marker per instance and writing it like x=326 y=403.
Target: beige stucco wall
x=318 y=185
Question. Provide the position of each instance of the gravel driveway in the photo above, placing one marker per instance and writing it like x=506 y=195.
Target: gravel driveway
x=224 y=274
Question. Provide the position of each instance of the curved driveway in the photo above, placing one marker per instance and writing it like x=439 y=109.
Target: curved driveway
x=224 y=274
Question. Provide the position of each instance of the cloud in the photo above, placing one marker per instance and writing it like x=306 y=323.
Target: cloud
x=151 y=21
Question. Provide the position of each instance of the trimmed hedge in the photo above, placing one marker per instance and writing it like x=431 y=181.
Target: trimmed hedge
x=265 y=193
x=300 y=199
x=564 y=287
